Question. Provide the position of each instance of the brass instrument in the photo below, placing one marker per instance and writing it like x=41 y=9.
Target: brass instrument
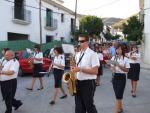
x=70 y=78
x=30 y=62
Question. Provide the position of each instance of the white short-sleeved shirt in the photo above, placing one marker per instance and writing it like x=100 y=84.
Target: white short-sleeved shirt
x=135 y=54
x=60 y=59
x=89 y=60
x=100 y=56
x=2 y=61
x=52 y=53
x=38 y=55
x=124 y=61
x=12 y=65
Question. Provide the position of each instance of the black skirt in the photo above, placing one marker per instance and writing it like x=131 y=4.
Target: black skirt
x=58 y=73
x=119 y=83
x=36 y=69
x=134 y=71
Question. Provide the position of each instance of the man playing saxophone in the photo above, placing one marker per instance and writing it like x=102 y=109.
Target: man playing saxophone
x=87 y=69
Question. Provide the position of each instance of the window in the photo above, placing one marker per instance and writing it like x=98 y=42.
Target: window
x=19 y=9
x=72 y=25
x=17 y=36
x=49 y=38
x=48 y=17
x=62 y=17
x=61 y=39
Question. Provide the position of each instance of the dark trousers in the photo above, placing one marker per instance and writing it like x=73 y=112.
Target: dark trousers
x=8 y=89
x=84 y=98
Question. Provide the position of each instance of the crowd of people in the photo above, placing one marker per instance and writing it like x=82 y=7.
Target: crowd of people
x=90 y=62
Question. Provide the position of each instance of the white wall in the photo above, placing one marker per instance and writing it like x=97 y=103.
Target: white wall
x=32 y=29
x=147 y=32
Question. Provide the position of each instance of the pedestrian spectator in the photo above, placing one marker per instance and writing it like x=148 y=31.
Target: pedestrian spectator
x=112 y=49
x=52 y=53
x=86 y=70
x=2 y=60
x=100 y=69
x=37 y=61
x=106 y=54
x=120 y=67
x=58 y=70
x=134 y=71
x=8 y=81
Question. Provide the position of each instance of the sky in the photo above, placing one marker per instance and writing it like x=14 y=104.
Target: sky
x=105 y=8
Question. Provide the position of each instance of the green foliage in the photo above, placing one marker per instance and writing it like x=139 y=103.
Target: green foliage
x=134 y=29
x=108 y=36
x=115 y=37
x=91 y=25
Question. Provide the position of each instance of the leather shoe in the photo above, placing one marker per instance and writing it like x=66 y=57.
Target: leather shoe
x=29 y=89
x=133 y=95
x=52 y=102
x=62 y=97
x=40 y=88
x=20 y=104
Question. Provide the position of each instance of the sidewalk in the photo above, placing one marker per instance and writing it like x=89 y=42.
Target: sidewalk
x=145 y=66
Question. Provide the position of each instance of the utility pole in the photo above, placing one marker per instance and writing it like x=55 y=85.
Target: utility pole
x=75 y=14
x=40 y=21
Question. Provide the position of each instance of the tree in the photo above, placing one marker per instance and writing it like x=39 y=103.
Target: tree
x=133 y=29
x=91 y=25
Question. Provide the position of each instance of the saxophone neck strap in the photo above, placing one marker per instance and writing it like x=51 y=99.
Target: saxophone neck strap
x=80 y=59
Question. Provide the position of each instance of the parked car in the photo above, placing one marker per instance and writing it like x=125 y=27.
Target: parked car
x=25 y=67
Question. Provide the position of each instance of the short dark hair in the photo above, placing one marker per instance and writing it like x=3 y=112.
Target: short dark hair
x=59 y=50
x=37 y=46
x=85 y=36
x=5 y=49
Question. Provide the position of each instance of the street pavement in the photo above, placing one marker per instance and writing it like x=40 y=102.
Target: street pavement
x=38 y=101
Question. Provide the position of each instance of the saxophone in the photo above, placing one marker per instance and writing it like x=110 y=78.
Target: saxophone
x=70 y=78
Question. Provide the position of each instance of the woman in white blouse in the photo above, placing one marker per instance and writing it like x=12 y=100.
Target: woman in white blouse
x=120 y=67
x=134 y=71
x=58 y=70
x=37 y=60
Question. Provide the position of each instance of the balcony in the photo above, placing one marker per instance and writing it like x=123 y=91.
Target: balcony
x=51 y=24
x=21 y=16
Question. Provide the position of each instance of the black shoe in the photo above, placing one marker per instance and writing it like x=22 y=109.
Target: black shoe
x=40 y=88
x=65 y=96
x=52 y=102
x=20 y=104
x=29 y=89
x=133 y=95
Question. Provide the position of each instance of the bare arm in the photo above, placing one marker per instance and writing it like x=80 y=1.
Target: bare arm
x=92 y=70
x=8 y=73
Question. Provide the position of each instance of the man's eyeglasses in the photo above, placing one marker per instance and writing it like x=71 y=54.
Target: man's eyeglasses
x=81 y=41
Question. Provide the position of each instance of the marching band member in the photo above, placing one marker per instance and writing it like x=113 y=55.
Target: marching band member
x=37 y=61
x=87 y=69
x=120 y=67
x=134 y=71
x=58 y=70
x=8 y=81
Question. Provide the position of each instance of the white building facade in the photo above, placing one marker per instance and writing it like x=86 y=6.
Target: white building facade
x=20 y=21
x=147 y=31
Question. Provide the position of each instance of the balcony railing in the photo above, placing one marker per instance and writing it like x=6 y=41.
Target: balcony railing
x=21 y=16
x=51 y=24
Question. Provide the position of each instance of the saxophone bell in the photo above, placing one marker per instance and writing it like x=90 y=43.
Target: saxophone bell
x=66 y=77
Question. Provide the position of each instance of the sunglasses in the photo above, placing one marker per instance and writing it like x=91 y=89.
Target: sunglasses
x=81 y=41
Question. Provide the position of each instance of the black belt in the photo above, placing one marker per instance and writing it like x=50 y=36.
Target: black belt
x=88 y=80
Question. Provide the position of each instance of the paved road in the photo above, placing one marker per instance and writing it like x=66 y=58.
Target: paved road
x=38 y=101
